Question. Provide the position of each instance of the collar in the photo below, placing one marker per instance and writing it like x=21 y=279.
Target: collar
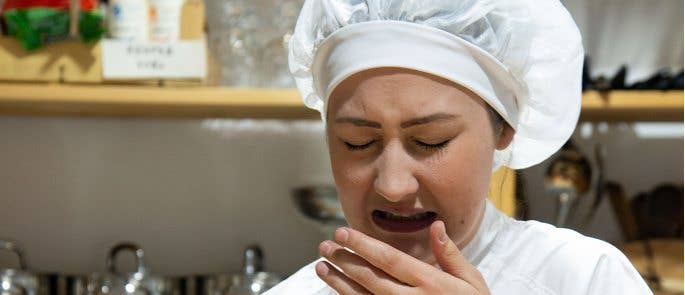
x=490 y=225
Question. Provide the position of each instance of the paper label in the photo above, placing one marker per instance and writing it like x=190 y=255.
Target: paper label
x=123 y=59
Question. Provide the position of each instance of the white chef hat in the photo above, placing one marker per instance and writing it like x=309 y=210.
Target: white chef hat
x=523 y=57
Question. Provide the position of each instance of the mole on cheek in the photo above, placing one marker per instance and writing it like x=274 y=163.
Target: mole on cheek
x=462 y=221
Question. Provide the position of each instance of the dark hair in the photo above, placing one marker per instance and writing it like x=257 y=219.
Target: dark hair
x=496 y=121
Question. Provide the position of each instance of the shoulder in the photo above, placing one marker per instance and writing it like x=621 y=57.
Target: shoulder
x=303 y=282
x=562 y=261
x=538 y=239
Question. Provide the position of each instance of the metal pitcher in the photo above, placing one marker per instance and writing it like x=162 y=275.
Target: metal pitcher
x=16 y=281
x=139 y=282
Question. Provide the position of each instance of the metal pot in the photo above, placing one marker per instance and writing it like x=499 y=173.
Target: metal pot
x=61 y=284
x=15 y=281
x=22 y=281
x=252 y=280
x=139 y=282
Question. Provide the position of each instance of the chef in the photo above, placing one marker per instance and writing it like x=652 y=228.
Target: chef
x=422 y=101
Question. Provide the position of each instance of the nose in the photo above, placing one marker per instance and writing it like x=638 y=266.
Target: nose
x=395 y=179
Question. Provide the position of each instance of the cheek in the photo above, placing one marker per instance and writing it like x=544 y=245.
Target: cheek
x=349 y=174
x=459 y=181
x=353 y=181
x=465 y=166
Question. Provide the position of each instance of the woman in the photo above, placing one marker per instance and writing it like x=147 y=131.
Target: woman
x=422 y=101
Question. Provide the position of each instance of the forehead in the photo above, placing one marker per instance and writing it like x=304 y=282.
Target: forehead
x=399 y=92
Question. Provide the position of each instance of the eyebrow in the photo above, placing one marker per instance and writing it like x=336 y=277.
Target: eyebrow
x=417 y=121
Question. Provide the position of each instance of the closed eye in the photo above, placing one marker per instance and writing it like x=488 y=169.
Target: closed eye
x=356 y=147
x=429 y=146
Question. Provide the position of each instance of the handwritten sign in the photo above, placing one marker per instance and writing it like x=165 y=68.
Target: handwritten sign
x=123 y=59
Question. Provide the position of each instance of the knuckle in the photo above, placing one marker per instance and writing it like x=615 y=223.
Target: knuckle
x=431 y=289
x=451 y=250
x=338 y=255
x=339 y=284
x=393 y=292
x=388 y=258
x=365 y=276
x=426 y=282
x=334 y=282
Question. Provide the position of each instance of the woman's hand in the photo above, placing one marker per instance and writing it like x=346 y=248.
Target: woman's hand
x=377 y=268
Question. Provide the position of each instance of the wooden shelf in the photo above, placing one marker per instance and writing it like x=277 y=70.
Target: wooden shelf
x=149 y=101
x=632 y=106
x=213 y=102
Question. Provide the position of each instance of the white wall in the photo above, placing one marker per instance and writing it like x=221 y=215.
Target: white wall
x=645 y=35
x=191 y=195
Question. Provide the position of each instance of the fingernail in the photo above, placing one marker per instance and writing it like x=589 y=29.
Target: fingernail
x=443 y=234
x=321 y=269
x=341 y=235
x=325 y=248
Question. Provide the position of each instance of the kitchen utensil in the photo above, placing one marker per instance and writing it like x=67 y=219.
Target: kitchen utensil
x=138 y=282
x=659 y=213
x=191 y=284
x=320 y=204
x=567 y=177
x=61 y=284
x=621 y=208
x=253 y=279
x=600 y=183
x=16 y=281
x=22 y=281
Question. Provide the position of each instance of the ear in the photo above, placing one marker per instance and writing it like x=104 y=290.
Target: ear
x=505 y=137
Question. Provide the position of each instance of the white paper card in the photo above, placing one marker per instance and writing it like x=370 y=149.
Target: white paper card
x=123 y=59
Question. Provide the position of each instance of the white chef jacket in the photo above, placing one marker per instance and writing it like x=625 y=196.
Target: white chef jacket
x=523 y=257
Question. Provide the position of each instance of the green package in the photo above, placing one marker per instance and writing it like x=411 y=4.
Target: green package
x=35 y=27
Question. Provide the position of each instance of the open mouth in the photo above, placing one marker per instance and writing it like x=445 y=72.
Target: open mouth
x=403 y=224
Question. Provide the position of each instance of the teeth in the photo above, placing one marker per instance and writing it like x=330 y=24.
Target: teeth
x=413 y=217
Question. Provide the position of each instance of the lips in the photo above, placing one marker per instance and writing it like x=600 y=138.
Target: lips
x=403 y=223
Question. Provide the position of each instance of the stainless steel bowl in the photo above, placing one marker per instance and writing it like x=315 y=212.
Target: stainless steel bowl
x=319 y=203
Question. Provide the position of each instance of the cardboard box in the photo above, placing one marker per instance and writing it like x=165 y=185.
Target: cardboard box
x=193 y=20
x=67 y=61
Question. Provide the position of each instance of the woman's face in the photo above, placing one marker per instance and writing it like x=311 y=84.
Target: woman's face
x=408 y=148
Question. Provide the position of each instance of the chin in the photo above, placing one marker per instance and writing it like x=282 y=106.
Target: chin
x=414 y=244
x=417 y=248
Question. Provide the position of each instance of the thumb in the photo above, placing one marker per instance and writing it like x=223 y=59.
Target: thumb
x=449 y=256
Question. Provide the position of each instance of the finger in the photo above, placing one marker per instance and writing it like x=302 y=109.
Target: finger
x=396 y=263
x=449 y=256
x=338 y=281
x=361 y=271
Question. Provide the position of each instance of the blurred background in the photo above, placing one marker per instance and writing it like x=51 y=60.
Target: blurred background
x=173 y=127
